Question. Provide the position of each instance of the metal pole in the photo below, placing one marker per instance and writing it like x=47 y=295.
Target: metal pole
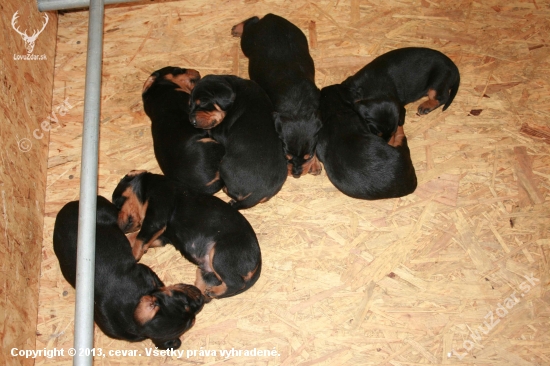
x=49 y=5
x=85 y=262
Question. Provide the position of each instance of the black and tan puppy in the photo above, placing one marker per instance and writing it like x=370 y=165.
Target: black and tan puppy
x=206 y=230
x=359 y=163
x=280 y=62
x=184 y=153
x=131 y=302
x=389 y=82
x=238 y=114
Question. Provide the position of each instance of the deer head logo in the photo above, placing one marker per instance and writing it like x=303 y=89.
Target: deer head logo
x=29 y=40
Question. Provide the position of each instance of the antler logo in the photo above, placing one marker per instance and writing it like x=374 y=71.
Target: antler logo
x=29 y=40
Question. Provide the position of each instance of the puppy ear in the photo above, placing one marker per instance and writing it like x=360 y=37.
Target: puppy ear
x=278 y=122
x=225 y=100
x=402 y=113
x=316 y=118
x=171 y=344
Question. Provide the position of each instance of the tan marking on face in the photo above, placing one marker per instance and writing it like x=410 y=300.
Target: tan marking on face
x=307 y=156
x=237 y=30
x=141 y=248
x=133 y=173
x=265 y=199
x=289 y=169
x=216 y=178
x=207 y=139
x=186 y=82
x=131 y=208
x=150 y=80
x=209 y=119
x=397 y=137
x=146 y=309
x=288 y=157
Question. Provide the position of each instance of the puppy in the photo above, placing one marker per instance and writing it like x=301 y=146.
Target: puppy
x=131 y=302
x=359 y=163
x=206 y=230
x=280 y=62
x=253 y=167
x=184 y=153
x=384 y=86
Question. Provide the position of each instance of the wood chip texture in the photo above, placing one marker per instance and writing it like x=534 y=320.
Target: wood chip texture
x=426 y=279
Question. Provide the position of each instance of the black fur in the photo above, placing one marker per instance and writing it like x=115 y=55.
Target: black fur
x=397 y=78
x=279 y=61
x=357 y=162
x=121 y=282
x=184 y=153
x=253 y=167
x=196 y=224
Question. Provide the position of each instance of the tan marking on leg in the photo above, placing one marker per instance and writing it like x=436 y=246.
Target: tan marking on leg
x=251 y=273
x=430 y=104
x=141 y=248
x=132 y=238
x=199 y=281
x=241 y=198
x=216 y=291
x=397 y=137
x=216 y=178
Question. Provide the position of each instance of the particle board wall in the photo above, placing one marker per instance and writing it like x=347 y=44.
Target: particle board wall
x=406 y=281
x=26 y=93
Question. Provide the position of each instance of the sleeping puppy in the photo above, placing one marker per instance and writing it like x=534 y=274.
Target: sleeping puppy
x=359 y=163
x=238 y=114
x=383 y=87
x=206 y=230
x=131 y=302
x=184 y=153
x=280 y=62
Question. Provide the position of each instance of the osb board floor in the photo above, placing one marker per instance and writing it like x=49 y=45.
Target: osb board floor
x=424 y=279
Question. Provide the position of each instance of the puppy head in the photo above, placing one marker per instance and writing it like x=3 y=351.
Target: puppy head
x=183 y=79
x=209 y=102
x=299 y=138
x=168 y=312
x=129 y=199
x=381 y=116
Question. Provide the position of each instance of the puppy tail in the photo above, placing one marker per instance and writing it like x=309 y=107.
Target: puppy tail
x=454 y=90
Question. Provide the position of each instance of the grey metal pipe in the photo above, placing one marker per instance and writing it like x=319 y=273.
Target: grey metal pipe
x=49 y=5
x=85 y=261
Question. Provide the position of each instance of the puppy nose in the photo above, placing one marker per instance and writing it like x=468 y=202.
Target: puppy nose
x=194 y=121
